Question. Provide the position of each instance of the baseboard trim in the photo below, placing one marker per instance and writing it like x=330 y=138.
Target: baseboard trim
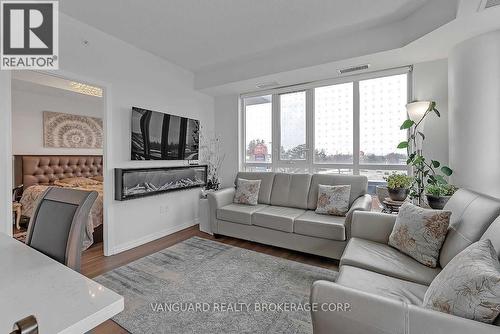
x=151 y=237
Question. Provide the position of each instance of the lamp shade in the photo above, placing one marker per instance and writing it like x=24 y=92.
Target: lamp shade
x=416 y=110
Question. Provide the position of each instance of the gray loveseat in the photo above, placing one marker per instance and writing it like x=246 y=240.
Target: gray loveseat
x=385 y=287
x=284 y=215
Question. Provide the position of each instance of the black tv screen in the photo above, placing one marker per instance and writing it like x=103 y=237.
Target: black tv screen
x=159 y=136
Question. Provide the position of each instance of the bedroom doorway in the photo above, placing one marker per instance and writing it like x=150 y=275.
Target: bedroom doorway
x=58 y=136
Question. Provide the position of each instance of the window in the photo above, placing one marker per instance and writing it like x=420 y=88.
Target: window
x=293 y=126
x=258 y=129
x=340 y=126
x=333 y=124
x=382 y=108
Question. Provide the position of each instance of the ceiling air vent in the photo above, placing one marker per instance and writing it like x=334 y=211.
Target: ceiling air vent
x=267 y=84
x=485 y=4
x=353 y=69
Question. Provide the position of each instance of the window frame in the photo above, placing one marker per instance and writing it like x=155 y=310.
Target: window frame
x=308 y=165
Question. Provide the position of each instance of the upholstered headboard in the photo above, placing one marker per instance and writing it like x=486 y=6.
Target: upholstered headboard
x=45 y=169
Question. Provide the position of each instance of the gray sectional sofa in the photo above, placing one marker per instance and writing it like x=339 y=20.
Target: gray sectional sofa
x=284 y=215
x=385 y=287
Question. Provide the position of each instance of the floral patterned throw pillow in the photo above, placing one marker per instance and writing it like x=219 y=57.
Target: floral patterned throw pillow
x=247 y=191
x=469 y=285
x=420 y=233
x=333 y=200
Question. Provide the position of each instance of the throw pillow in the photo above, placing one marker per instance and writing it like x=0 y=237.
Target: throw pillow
x=420 y=233
x=469 y=285
x=247 y=191
x=75 y=182
x=333 y=200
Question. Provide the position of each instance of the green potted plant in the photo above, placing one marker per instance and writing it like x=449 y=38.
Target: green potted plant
x=426 y=171
x=398 y=186
x=438 y=194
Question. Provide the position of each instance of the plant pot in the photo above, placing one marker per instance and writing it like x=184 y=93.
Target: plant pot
x=398 y=194
x=437 y=202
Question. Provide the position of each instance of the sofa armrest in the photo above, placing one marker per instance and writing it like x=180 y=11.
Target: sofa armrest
x=363 y=312
x=362 y=203
x=218 y=199
x=374 y=226
x=360 y=312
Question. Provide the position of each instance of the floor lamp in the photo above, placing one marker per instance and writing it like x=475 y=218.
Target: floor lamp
x=416 y=112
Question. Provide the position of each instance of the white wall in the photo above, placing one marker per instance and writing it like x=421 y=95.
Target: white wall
x=226 y=126
x=135 y=78
x=430 y=82
x=30 y=100
x=5 y=154
x=132 y=77
x=474 y=90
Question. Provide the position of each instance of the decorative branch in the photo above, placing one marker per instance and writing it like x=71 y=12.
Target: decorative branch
x=210 y=154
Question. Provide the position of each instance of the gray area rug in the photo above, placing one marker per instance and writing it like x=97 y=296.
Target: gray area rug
x=203 y=286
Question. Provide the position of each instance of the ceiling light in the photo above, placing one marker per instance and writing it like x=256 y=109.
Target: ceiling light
x=85 y=89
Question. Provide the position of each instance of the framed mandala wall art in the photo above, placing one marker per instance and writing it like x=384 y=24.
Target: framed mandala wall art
x=71 y=131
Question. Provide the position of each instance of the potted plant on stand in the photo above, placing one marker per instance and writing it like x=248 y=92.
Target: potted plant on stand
x=438 y=194
x=398 y=186
x=426 y=172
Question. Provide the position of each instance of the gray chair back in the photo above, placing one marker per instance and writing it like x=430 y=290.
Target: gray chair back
x=57 y=225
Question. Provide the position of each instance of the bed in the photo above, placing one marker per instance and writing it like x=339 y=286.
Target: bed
x=37 y=172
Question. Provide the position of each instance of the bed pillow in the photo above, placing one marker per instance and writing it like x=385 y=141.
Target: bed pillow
x=247 y=191
x=469 y=285
x=75 y=182
x=333 y=200
x=98 y=178
x=420 y=233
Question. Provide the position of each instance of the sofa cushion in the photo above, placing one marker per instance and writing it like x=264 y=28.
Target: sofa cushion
x=238 y=213
x=472 y=213
x=493 y=233
x=420 y=233
x=386 y=260
x=290 y=190
x=333 y=200
x=378 y=284
x=276 y=217
x=322 y=226
x=247 y=191
x=359 y=186
x=266 y=184
x=469 y=286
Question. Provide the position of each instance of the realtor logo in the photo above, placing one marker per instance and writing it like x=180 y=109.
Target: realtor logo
x=29 y=32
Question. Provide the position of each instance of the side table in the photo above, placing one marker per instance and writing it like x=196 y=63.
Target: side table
x=392 y=206
x=203 y=215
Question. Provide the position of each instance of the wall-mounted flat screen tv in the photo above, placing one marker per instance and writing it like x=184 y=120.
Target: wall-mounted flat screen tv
x=160 y=136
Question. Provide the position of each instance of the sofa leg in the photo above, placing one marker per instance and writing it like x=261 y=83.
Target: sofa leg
x=217 y=236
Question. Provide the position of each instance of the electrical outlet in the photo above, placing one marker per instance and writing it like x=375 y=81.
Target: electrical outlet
x=163 y=210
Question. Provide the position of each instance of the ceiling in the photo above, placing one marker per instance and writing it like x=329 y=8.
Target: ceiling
x=232 y=46
x=198 y=34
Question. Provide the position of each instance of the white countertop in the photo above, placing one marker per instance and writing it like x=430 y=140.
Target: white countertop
x=62 y=300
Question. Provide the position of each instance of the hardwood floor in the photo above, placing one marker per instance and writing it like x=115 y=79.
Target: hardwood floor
x=94 y=263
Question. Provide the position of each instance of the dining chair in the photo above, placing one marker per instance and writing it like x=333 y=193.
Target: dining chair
x=57 y=224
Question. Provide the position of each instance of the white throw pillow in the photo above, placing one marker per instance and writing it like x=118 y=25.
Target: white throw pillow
x=247 y=191
x=420 y=233
x=333 y=200
x=469 y=285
